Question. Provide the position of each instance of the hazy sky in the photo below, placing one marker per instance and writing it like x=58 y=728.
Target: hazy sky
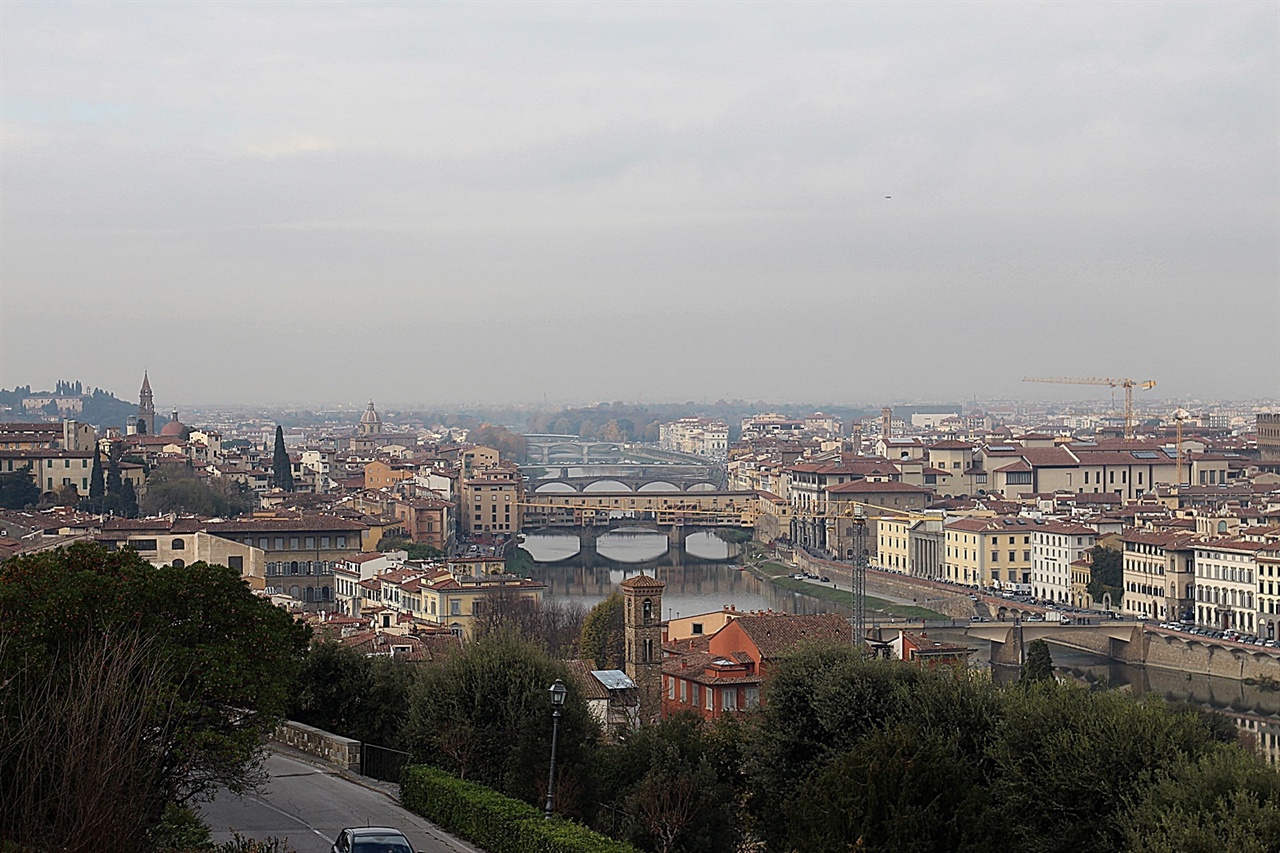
x=421 y=202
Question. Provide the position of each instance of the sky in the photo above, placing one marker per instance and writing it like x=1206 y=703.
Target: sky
x=518 y=202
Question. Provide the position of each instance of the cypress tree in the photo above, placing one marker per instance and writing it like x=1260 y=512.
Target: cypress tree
x=1039 y=664
x=113 y=475
x=128 y=504
x=97 y=485
x=280 y=464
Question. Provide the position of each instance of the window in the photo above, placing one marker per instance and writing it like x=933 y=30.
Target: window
x=236 y=563
x=311 y=542
x=177 y=545
x=143 y=544
x=708 y=692
x=279 y=543
x=324 y=541
x=671 y=687
x=342 y=541
x=179 y=564
x=293 y=543
x=455 y=607
x=729 y=699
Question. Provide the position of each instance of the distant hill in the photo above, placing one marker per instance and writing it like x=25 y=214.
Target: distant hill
x=97 y=406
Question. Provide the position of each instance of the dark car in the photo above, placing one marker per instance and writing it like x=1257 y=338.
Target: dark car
x=371 y=839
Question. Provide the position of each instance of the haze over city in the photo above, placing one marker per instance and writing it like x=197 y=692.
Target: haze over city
x=518 y=202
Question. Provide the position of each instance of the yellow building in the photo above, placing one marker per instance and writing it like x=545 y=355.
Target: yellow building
x=491 y=502
x=991 y=553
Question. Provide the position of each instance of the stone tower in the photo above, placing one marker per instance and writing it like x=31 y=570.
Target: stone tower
x=146 y=408
x=642 y=629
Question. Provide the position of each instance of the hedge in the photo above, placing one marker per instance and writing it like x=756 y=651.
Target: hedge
x=493 y=822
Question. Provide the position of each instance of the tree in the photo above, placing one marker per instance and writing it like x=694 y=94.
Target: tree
x=211 y=666
x=18 y=489
x=485 y=715
x=127 y=504
x=1039 y=664
x=673 y=786
x=1106 y=574
x=281 y=466
x=603 y=639
x=332 y=688
x=97 y=484
x=179 y=490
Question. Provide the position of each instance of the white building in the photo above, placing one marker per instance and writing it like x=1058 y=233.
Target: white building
x=697 y=436
x=1227 y=584
x=1055 y=546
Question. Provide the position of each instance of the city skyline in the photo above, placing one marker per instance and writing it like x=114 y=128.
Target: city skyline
x=518 y=203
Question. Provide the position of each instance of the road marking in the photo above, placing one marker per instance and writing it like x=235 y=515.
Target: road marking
x=291 y=817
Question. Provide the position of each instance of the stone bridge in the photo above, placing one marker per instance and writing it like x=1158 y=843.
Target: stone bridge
x=552 y=448
x=661 y=509
x=635 y=477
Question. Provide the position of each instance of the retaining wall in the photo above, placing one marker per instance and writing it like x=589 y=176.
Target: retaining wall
x=341 y=751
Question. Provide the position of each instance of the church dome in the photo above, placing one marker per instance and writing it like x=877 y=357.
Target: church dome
x=370 y=416
x=174 y=427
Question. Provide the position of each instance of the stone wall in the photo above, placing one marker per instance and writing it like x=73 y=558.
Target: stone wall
x=935 y=596
x=341 y=751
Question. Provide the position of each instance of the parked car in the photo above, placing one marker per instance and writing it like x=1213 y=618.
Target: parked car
x=371 y=839
x=825 y=579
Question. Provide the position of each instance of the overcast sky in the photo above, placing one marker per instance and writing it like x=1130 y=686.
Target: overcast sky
x=427 y=202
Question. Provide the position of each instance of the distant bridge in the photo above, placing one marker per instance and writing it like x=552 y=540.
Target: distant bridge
x=554 y=448
x=624 y=476
x=661 y=509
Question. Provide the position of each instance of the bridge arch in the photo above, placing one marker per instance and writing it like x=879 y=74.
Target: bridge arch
x=547 y=488
x=606 y=486
x=703 y=487
x=659 y=486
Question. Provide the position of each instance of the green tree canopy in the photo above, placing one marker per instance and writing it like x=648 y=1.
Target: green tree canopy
x=177 y=489
x=1106 y=575
x=219 y=662
x=281 y=466
x=485 y=714
x=18 y=489
x=1039 y=664
x=603 y=640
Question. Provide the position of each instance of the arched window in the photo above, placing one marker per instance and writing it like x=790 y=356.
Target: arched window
x=293 y=567
x=177 y=545
x=1222 y=527
x=311 y=593
x=646 y=610
x=648 y=650
x=178 y=564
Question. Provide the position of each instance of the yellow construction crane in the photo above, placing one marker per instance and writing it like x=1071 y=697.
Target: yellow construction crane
x=1127 y=384
x=1180 y=415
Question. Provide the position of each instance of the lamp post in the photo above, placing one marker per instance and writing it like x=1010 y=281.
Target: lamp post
x=558 y=694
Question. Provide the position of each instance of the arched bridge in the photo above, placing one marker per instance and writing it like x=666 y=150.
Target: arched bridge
x=664 y=509
x=623 y=476
x=550 y=448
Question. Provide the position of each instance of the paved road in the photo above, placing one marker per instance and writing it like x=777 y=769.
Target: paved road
x=309 y=805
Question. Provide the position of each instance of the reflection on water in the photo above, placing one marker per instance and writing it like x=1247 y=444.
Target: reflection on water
x=693 y=584
x=627 y=546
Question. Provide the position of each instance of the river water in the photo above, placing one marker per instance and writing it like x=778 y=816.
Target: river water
x=704 y=578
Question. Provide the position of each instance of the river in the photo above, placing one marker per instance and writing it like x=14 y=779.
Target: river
x=703 y=578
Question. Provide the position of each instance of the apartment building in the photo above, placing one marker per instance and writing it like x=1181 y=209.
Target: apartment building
x=491 y=501
x=698 y=436
x=1159 y=573
x=1055 y=546
x=301 y=550
x=1226 y=584
x=992 y=553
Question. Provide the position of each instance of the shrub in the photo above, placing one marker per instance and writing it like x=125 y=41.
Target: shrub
x=496 y=823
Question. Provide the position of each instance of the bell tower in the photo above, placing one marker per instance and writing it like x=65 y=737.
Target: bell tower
x=642 y=630
x=146 y=407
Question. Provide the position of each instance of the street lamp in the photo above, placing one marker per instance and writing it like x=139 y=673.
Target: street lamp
x=558 y=694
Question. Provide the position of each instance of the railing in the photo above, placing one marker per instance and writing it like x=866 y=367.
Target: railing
x=379 y=762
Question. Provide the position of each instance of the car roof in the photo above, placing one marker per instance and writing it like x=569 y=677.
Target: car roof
x=373 y=830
